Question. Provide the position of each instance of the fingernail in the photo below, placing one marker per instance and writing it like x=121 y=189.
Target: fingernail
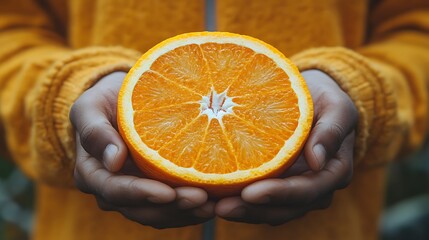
x=237 y=212
x=320 y=153
x=109 y=155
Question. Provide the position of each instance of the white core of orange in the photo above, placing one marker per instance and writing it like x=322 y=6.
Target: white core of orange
x=216 y=105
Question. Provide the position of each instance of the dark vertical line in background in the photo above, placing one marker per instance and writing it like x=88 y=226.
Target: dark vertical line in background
x=209 y=230
x=210 y=25
x=210 y=15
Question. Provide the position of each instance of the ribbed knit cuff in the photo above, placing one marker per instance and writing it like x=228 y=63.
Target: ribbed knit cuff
x=68 y=78
x=363 y=80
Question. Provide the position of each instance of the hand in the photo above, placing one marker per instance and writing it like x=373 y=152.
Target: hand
x=325 y=165
x=103 y=169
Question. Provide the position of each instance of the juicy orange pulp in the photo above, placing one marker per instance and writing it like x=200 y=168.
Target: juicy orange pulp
x=214 y=110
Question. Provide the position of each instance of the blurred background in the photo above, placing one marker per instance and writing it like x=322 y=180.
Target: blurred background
x=16 y=203
x=406 y=214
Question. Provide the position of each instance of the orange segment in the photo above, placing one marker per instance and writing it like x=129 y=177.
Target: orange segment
x=276 y=111
x=186 y=145
x=225 y=62
x=215 y=155
x=261 y=73
x=186 y=66
x=214 y=110
x=153 y=90
x=159 y=126
x=252 y=146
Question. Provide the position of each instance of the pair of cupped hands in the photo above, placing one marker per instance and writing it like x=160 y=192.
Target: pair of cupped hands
x=104 y=169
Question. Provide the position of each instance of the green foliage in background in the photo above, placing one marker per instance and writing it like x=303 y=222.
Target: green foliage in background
x=16 y=203
x=407 y=199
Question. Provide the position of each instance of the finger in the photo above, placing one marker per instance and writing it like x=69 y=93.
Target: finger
x=161 y=217
x=157 y=216
x=79 y=183
x=304 y=189
x=342 y=164
x=338 y=118
x=122 y=190
x=205 y=211
x=190 y=197
x=234 y=209
x=97 y=135
x=299 y=167
x=105 y=206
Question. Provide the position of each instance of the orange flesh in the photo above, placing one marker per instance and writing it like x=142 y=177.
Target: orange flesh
x=167 y=117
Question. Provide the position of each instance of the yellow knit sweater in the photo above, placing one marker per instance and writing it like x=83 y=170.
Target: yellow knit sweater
x=52 y=50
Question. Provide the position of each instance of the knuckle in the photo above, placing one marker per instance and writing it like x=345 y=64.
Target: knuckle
x=104 y=205
x=346 y=181
x=289 y=184
x=133 y=185
x=109 y=194
x=91 y=132
x=337 y=131
x=79 y=185
x=351 y=107
x=90 y=179
x=87 y=133
x=79 y=182
x=105 y=194
x=131 y=215
x=79 y=105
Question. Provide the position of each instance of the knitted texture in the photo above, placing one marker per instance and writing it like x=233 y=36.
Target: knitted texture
x=53 y=50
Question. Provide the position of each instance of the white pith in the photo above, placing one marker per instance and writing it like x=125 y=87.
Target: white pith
x=216 y=105
x=217 y=110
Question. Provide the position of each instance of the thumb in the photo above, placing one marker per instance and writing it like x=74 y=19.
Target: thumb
x=336 y=121
x=92 y=115
x=100 y=139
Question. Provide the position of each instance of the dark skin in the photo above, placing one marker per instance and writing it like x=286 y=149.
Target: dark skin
x=104 y=169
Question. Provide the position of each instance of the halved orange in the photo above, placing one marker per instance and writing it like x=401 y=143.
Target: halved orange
x=214 y=110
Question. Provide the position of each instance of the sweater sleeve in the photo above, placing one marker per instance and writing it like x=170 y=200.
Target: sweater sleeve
x=40 y=78
x=387 y=79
